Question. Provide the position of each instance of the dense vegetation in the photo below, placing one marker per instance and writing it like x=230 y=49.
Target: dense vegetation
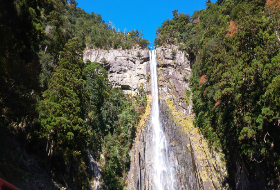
x=55 y=105
x=235 y=84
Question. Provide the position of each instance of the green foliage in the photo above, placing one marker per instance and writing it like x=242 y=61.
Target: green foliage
x=188 y=96
x=138 y=54
x=61 y=111
x=111 y=118
x=120 y=115
x=173 y=53
x=171 y=30
x=49 y=96
x=21 y=32
x=63 y=21
x=103 y=60
x=235 y=81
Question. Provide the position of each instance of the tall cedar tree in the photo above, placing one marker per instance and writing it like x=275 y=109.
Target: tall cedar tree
x=61 y=111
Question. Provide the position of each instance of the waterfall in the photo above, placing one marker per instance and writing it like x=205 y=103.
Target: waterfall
x=163 y=171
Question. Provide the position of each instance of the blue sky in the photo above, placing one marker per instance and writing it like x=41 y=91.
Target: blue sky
x=145 y=15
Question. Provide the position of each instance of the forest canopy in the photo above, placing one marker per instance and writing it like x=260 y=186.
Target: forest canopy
x=234 y=48
x=55 y=105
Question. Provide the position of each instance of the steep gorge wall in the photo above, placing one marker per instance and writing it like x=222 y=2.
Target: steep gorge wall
x=141 y=174
x=174 y=71
x=196 y=166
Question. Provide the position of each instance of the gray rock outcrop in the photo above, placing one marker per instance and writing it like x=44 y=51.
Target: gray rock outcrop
x=127 y=69
x=95 y=173
x=173 y=77
x=141 y=174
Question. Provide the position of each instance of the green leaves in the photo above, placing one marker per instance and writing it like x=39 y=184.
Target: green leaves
x=61 y=110
x=78 y=108
x=171 y=30
x=20 y=35
x=61 y=113
x=238 y=103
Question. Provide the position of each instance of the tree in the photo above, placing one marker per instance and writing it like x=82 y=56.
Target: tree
x=175 y=13
x=61 y=110
x=20 y=35
x=235 y=86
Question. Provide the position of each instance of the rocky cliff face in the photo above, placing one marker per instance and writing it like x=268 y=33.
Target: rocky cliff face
x=173 y=77
x=141 y=174
x=127 y=69
x=196 y=166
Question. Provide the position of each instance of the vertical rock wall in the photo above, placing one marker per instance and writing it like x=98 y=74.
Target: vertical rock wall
x=173 y=77
x=196 y=166
x=181 y=151
x=141 y=174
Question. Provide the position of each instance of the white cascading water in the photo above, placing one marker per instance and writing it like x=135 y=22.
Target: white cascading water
x=163 y=172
